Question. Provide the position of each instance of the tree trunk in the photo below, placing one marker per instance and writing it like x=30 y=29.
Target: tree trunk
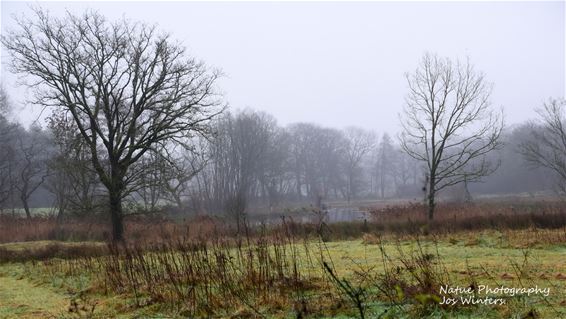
x=431 y=195
x=60 y=212
x=467 y=194
x=116 y=190
x=431 y=205
x=116 y=216
x=24 y=200
x=26 y=208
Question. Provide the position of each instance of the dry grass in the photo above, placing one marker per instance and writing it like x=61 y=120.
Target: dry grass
x=207 y=277
x=204 y=268
x=277 y=274
x=402 y=219
x=137 y=228
x=451 y=218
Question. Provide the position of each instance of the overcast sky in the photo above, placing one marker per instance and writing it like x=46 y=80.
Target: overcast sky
x=340 y=63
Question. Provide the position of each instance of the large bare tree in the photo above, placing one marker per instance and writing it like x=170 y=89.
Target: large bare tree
x=448 y=124
x=128 y=87
x=546 y=146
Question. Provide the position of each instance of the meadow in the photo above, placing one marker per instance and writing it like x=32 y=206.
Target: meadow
x=391 y=266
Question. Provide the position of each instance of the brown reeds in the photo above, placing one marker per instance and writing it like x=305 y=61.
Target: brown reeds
x=203 y=277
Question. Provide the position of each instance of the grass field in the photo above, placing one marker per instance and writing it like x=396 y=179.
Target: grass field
x=388 y=272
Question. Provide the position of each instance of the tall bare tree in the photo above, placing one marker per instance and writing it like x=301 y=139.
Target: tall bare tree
x=128 y=88
x=448 y=124
x=546 y=146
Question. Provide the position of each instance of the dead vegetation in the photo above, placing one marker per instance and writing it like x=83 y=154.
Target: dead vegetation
x=208 y=268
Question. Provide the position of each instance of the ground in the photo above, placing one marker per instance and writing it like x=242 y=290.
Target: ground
x=22 y=298
x=524 y=258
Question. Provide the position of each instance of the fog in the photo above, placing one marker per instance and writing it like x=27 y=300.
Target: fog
x=343 y=64
x=282 y=159
x=314 y=94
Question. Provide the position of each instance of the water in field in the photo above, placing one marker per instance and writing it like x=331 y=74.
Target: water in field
x=330 y=215
x=336 y=215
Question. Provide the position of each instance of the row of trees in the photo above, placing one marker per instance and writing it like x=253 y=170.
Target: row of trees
x=252 y=158
x=23 y=160
x=249 y=159
x=250 y=162
x=137 y=120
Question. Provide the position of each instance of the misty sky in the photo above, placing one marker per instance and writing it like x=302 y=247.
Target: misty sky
x=340 y=64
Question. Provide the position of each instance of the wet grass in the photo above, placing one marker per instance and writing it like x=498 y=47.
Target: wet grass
x=516 y=258
x=22 y=298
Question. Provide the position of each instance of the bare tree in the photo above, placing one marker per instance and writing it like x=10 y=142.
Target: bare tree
x=149 y=186
x=359 y=143
x=128 y=88
x=406 y=174
x=547 y=144
x=177 y=178
x=32 y=154
x=167 y=179
x=448 y=124
x=72 y=179
x=384 y=164
x=317 y=156
x=241 y=161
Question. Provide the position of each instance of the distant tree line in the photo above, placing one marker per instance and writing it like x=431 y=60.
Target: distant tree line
x=138 y=125
x=249 y=162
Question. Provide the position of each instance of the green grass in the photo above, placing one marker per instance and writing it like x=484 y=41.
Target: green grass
x=22 y=298
x=39 y=244
x=489 y=257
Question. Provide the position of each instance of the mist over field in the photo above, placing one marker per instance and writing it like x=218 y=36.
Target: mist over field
x=338 y=65
x=282 y=160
